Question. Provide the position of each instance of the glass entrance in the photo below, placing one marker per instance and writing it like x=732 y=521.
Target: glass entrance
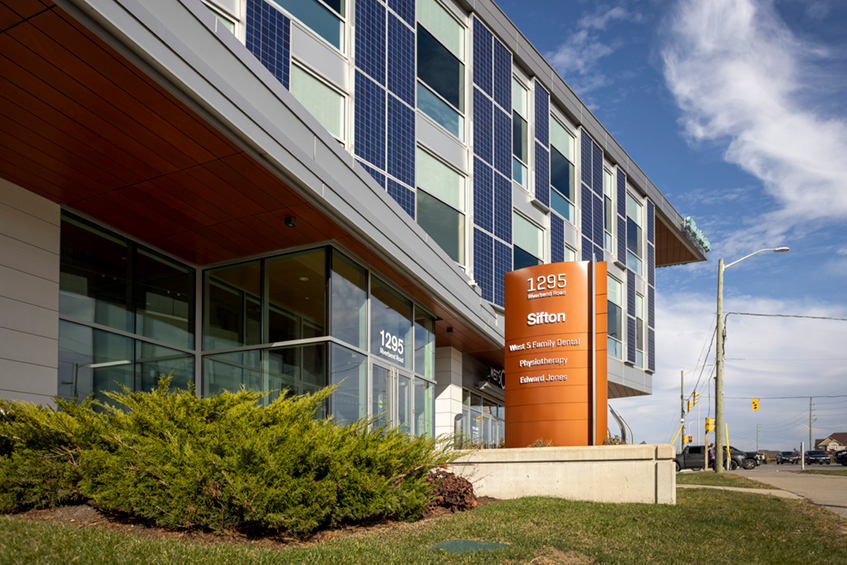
x=391 y=396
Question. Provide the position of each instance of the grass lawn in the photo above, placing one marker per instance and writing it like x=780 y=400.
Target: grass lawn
x=710 y=479
x=752 y=528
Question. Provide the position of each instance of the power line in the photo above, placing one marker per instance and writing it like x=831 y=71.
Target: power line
x=788 y=316
x=784 y=397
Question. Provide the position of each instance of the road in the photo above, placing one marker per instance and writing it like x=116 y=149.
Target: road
x=824 y=490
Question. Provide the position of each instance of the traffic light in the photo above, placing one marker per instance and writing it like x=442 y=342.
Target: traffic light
x=689 y=406
x=690 y=439
x=755 y=404
x=710 y=424
x=696 y=397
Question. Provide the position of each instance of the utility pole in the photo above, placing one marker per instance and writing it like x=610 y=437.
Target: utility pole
x=811 y=445
x=682 y=408
x=719 y=375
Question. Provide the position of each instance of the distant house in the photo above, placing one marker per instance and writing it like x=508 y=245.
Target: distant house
x=834 y=442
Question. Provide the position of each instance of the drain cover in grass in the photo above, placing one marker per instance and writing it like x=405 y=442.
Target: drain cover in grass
x=466 y=546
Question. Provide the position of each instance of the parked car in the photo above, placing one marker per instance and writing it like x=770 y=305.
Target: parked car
x=819 y=457
x=694 y=457
x=841 y=457
x=745 y=460
x=787 y=457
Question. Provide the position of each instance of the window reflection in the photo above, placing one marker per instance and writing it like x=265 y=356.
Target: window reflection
x=391 y=324
x=297 y=296
x=233 y=306
x=349 y=301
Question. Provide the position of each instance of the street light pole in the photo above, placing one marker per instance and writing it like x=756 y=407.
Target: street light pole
x=719 y=426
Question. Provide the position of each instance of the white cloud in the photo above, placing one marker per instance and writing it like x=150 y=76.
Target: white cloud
x=739 y=76
x=766 y=357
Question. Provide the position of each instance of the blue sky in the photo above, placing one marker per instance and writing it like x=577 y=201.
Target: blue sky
x=737 y=111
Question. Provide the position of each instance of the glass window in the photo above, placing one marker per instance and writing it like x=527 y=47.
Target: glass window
x=325 y=103
x=348 y=370
x=441 y=86
x=297 y=296
x=424 y=344
x=608 y=211
x=391 y=324
x=164 y=300
x=561 y=139
x=404 y=403
x=325 y=19
x=381 y=394
x=633 y=234
x=615 y=318
x=445 y=225
x=349 y=301
x=424 y=408
x=225 y=19
x=529 y=243
x=94 y=284
x=298 y=369
x=233 y=306
x=520 y=133
x=570 y=254
x=232 y=372
x=442 y=25
x=562 y=182
x=93 y=361
x=440 y=180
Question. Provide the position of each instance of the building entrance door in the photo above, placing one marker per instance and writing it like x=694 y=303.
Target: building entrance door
x=391 y=395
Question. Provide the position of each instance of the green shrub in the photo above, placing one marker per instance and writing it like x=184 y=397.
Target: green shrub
x=219 y=463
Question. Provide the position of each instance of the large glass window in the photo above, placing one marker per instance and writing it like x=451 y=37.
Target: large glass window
x=391 y=324
x=615 y=318
x=529 y=243
x=633 y=234
x=233 y=306
x=441 y=69
x=107 y=280
x=298 y=369
x=325 y=103
x=441 y=203
x=349 y=301
x=93 y=361
x=562 y=177
x=520 y=132
x=424 y=407
x=608 y=211
x=349 y=371
x=483 y=421
x=296 y=296
x=326 y=18
x=232 y=372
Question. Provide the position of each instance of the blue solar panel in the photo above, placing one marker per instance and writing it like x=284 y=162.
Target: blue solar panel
x=586 y=202
x=587 y=249
x=630 y=293
x=557 y=239
x=503 y=207
x=503 y=142
x=630 y=339
x=401 y=60
x=651 y=350
x=502 y=265
x=377 y=176
x=403 y=195
x=483 y=195
x=502 y=77
x=482 y=125
x=597 y=222
x=370 y=39
x=401 y=141
x=621 y=194
x=597 y=157
x=405 y=9
x=587 y=151
x=651 y=215
x=268 y=37
x=484 y=263
x=651 y=265
x=369 y=121
x=482 y=57
x=542 y=115
x=542 y=174
x=622 y=240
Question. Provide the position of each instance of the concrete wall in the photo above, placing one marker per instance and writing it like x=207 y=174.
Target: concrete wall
x=29 y=295
x=609 y=473
x=448 y=389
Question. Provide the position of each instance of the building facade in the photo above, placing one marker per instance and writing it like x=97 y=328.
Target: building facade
x=288 y=194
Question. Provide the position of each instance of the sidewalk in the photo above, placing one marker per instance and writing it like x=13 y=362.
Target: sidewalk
x=771 y=491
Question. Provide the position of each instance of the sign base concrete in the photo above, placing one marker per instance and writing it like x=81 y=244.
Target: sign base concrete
x=608 y=473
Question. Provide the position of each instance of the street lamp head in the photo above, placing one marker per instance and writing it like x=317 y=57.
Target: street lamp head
x=781 y=249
